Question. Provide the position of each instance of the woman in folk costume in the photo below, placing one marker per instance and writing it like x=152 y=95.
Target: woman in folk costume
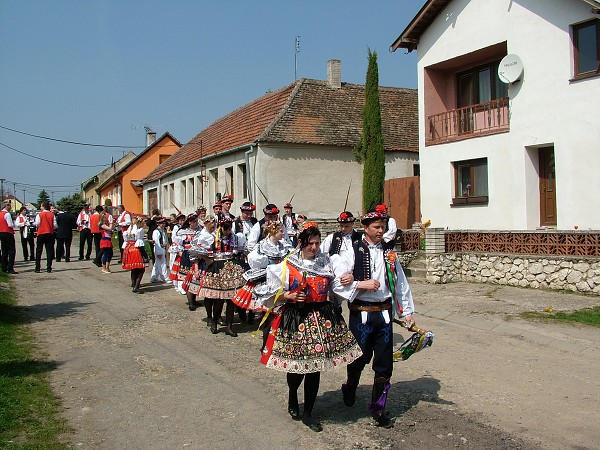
x=181 y=268
x=308 y=335
x=159 y=236
x=106 y=246
x=270 y=250
x=224 y=275
x=199 y=253
x=174 y=252
x=134 y=253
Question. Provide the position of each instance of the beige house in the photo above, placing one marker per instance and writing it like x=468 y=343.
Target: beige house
x=89 y=187
x=294 y=142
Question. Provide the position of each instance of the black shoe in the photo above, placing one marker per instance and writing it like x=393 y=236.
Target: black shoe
x=97 y=263
x=138 y=291
x=48 y=270
x=57 y=259
x=213 y=328
x=384 y=421
x=37 y=271
x=349 y=393
x=26 y=259
x=118 y=262
x=87 y=258
x=293 y=408
x=67 y=260
x=80 y=258
x=13 y=272
x=230 y=332
x=192 y=307
x=311 y=423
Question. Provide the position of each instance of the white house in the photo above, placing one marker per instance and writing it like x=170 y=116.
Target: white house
x=296 y=142
x=517 y=153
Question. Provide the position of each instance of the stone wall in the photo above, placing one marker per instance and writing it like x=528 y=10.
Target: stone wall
x=563 y=273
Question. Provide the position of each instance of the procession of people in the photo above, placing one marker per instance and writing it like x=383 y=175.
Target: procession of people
x=279 y=269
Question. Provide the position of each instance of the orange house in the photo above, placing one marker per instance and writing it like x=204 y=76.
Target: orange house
x=123 y=186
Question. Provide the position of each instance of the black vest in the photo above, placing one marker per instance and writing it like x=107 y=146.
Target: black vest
x=239 y=225
x=336 y=243
x=362 y=260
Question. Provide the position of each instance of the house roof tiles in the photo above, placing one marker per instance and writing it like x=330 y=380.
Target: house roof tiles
x=304 y=112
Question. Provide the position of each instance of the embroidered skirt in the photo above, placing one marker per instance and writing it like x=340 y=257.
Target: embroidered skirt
x=309 y=338
x=174 y=273
x=132 y=258
x=222 y=280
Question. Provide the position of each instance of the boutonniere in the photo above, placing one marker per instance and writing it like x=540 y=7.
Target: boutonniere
x=390 y=257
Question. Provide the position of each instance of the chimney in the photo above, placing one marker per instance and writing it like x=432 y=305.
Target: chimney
x=334 y=73
x=150 y=137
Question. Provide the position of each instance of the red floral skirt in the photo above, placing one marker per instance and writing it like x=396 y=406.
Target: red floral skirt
x=132 y=258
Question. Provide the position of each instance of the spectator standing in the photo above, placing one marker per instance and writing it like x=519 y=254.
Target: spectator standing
x=7 y=239
x=96 y=232
x=151 y=222
x=85 y=232
x=46 y=224
x=24 y=223
x=123 y=222
x=66 y=222
x=106 y=245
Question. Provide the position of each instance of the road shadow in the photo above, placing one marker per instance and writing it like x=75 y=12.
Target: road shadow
x=18 y=314
x=402 y=397
x=155 y=287
x=26 y=368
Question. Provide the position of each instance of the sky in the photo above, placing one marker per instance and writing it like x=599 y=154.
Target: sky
x=99 y=71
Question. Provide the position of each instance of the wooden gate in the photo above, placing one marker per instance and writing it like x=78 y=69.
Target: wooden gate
x=403 y=199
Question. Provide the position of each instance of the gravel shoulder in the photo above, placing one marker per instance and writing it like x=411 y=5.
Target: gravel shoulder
x=142 y=371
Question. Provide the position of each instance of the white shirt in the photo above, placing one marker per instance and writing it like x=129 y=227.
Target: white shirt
x=390 y=234
x=346 y=243
x=351 y=292
x=83 y=219
x=8 y=218
x=159 y=235
x=254 y=236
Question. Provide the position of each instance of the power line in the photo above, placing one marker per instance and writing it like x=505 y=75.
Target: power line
x=52 y=162
x=42 y=185
x=71 y=142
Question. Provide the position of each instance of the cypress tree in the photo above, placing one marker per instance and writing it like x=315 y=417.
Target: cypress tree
x=370 y=149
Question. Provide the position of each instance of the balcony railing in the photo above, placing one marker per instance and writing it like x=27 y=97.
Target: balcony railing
x=469 y=121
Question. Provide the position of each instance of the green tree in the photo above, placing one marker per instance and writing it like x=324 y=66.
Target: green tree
x=369 y=151
x=73 y=204
x=42 y=197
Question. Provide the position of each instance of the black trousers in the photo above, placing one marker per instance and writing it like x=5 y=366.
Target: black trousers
x=25 y=242
x=63 y=248
x=96 y=238
x=44 y=241
x=375 y=339
x=7 y=244
x=85 y=237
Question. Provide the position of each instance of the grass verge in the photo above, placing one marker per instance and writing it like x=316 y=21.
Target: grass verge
x=588 y=316
x=29 y=411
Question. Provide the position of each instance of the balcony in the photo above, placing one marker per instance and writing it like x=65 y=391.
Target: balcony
x=468 y=122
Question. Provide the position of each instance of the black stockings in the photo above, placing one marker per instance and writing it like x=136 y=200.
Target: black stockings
x=311 y=388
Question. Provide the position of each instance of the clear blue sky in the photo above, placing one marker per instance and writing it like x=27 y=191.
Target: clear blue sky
x=97 y=71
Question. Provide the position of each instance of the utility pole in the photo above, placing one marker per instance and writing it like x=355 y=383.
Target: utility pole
x=296 y=51
x=1 y=190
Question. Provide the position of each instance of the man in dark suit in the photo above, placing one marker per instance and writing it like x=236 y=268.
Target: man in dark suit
x=66 y=222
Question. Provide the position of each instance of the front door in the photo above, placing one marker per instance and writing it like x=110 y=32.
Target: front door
x=547 y=187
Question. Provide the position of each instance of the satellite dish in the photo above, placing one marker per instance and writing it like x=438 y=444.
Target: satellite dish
x=510 y=69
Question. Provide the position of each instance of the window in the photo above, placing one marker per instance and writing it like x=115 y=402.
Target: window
x=586 y=48
x=230 y=189
x=191 y=192
x=470 y=182
x=183 y=194
x=244 y=180
x=480 y=85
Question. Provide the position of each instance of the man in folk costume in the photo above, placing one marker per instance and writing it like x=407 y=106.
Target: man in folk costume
x=391 y=227
x=201 y=213
x=218 y=210
x=152 y=225
x=85 y=232
x=243 y=225
x=46 y=224
x=290 y=225
x=7 y=240
x=226 y=203
x=271 y=213
x=378 y=292
x=159 y=236
x=123 y=222
x=96 y=232
x=246 y=220
x=341 y=241
x=27 y=229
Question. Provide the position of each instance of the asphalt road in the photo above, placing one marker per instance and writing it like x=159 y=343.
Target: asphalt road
x=142 y=371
